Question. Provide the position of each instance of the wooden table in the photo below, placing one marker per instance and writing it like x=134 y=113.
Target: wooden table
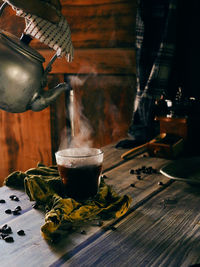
x=162 y=227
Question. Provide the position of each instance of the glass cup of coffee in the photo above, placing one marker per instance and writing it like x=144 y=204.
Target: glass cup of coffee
x=80 y=170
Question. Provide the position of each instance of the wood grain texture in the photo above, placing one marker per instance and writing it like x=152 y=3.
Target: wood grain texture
x=94 y=61
x=92 y=24
x=73 y=242
x=153 y=235
x=92 y=2
x=103 y=106
x=103 y=24
x=27 y=138
x=103 y=37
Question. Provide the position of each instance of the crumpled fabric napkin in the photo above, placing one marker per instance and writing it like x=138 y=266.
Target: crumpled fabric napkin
x=43 y=185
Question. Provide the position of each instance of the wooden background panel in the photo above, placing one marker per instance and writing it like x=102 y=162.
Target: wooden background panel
x=25 y=139
x=102 y=25
x=107 y=24
x=103 y=37
x=92 y=2
x=96 y=61
x=10 y=22
x=106 y=103
x=28 y=138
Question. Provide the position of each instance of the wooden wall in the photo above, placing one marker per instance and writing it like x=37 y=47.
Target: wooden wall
x=102 y=76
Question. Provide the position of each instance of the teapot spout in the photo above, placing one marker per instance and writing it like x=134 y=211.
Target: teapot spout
x=44 y=99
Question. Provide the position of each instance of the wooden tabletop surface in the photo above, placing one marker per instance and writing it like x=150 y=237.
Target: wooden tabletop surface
x=161 y=228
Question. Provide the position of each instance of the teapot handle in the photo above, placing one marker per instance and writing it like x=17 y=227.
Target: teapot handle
x=48 y=67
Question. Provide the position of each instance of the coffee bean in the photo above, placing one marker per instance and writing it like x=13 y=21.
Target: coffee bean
x=3 y=236
x=83 y=232
x=15 y=198
x=113 y=228
x=138 y=171
x=139 y=177
x=2 y=201
x=21 y=232
x=132 y=185
x=18 y=208
x=9 y=239
x=4 y=226
x=16 y=212
x=35 y=205
x=6 y=230
x=12 y=196
x=8 y=211
x=132 y=171
x=160 y=183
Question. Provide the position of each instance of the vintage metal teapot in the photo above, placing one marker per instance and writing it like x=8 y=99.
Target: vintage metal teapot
x=22 y=77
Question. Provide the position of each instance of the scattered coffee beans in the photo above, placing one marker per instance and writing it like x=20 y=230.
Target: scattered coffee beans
x=8 y=211
x=6 y=229
x=2 y=201
x=143 y=170
x=83 y=232
x=16 y=212
x=99 y=223
x=113 y=228
x=3 y=236
x=9 y=239
x=5 y=232
x=18 y=208
x=21 y=232
x=14 y=197
x=35 y=205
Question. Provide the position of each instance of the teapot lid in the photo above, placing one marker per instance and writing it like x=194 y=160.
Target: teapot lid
x=18 y=45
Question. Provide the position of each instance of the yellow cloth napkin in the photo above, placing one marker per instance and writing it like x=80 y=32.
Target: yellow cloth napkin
x=43 y=185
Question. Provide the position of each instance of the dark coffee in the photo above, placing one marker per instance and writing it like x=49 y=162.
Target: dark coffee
x=80 y=182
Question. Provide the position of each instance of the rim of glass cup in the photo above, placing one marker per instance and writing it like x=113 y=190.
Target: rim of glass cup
x=100 y=152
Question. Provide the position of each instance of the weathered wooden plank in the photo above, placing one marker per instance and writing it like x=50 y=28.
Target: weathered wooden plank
x=73 y=241
x=153 y=235
x=98 y=24
x=93 y=2
x=94 y=61
x=102 y=25
x=32 y=248
x=24 y=141
x=121 y=179
x=103 y=107
x=26 y=138
x=24 y=203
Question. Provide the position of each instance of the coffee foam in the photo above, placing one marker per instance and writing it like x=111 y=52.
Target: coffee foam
x=74 y=157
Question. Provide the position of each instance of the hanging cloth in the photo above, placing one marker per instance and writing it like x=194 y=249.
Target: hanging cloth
x=56 y=35
x=155 y=51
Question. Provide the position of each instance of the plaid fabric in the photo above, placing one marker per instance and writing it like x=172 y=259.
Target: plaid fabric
x=155 y=51
x=56 y=36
